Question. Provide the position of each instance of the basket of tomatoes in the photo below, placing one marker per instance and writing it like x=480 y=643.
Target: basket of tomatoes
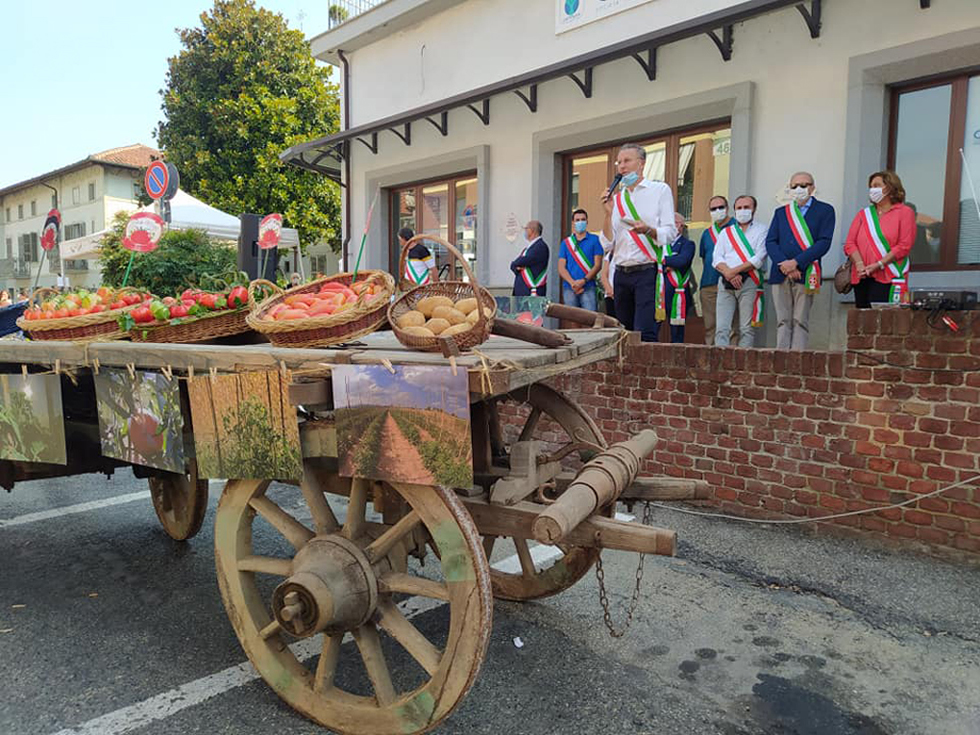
x=324 y=312
x=79 y=315
x=194 y=316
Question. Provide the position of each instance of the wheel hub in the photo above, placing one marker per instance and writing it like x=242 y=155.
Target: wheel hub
x=332 y=589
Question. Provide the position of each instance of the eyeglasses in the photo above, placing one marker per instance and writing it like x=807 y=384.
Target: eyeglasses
x=718 y=209
x=801 y=186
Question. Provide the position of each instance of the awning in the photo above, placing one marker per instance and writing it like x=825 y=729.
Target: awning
x=326 y=155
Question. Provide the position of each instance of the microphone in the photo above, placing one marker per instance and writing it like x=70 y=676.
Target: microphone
x=615 y=182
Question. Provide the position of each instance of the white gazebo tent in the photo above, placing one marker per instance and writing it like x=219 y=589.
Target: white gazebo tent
x=186 y=213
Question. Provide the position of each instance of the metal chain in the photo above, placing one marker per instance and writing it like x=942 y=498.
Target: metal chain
x=604 y=598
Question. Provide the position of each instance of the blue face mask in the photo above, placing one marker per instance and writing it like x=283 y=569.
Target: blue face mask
x=631 y=178
x=580 y=226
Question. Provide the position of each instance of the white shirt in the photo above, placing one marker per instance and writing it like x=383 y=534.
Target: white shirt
x=654 y=202
x=755 y=233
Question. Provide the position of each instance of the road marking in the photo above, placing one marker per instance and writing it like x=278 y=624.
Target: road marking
x=72 y=509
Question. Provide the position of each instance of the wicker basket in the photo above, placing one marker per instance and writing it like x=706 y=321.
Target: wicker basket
x=323 y=331
x=455 y=290
x=214 y=325
x=101 y=327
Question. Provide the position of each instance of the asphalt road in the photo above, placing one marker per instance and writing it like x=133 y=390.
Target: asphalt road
x=107 y=626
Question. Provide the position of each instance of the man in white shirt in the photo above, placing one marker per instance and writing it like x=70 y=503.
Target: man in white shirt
x=738 y=256
x=638 y=227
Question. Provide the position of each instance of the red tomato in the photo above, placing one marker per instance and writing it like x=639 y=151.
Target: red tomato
x=207 y=300
x=98 y=308
x=60 y=313
x=143 y=434
x=238 y=297
x=142 y=314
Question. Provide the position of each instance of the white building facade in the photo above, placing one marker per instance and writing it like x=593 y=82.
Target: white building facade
x=88 y=194
x=472 y=116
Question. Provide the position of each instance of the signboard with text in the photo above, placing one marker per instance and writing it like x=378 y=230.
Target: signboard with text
x=570 y=14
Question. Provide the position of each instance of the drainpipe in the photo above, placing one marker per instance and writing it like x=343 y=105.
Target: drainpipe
x=347 y=172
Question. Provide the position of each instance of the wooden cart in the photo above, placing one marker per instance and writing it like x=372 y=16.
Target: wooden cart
x=292 y=610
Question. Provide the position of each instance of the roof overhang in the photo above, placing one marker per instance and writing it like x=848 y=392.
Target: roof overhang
x=326 y=155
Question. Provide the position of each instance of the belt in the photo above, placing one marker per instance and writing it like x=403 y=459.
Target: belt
x=634 y=268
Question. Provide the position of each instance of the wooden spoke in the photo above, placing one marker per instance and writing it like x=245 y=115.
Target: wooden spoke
x=294 y=532
x=356 y=509
x=488 y=542
x=409 y=584
x=266 y=565
x=323 y=518
x=524 y=554
x=369 y=645
x=380 y=547
x=530 y=425
x=327 y=666
x=409 y=637
x=270 y=630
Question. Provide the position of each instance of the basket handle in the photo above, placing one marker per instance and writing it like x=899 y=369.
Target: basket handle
x=43 y=291
x=266 y=286
x=474 y=284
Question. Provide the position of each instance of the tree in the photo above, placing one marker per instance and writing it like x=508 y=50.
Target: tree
x=183 y=259
x=242 y=90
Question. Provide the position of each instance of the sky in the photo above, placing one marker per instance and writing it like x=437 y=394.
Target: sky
x=411 y=386
x=83 y=77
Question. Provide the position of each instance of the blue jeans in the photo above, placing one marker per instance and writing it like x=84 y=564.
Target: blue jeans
x=584 y=300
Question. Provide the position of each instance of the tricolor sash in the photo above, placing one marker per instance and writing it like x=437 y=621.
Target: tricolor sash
x=648 y=246
x=800 y=230
x=743 y=249
x=417 y=272
x=574 y=248
x=533 y=281
x=678 y=304
x=899 y=291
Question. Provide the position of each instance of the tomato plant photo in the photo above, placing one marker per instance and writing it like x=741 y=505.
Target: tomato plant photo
x=410 y=426
x=32 y=424
x=245 y=426
x=139 y=418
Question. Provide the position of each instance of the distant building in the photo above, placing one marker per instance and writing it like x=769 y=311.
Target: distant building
x=88 y=193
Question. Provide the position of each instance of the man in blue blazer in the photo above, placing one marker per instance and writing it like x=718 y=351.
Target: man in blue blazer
x=799 y=236
x=531 y=266
x=678 y=280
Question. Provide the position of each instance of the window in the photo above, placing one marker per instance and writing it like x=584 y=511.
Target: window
x=54 y=201
x=73 y=231
x=75 y=195
x=10 y=248
x=935 y=149
x=91 y=191
x=8 y=215
x=76 y=265
x=694 y=162
x=446 y=208
x=28 y=247
x=20 y=211
x=34 y=208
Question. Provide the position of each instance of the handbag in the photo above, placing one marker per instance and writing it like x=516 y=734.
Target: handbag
x=842 y=278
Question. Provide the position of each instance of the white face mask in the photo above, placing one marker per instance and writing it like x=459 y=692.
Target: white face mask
x=800 y=193
x=719 y=215
x=876 y=194
x=743 y=216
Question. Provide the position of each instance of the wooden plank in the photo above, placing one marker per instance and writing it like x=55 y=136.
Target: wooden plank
x=516 y=521
x=312 y=393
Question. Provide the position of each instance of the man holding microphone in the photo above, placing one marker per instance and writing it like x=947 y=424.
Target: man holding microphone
x=638 y=227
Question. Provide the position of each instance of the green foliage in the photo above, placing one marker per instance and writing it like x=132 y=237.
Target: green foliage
x=21 y=434
x=184 y=258
x=243 y=89
x=258 y=450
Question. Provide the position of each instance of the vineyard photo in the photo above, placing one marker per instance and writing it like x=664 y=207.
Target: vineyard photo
x=32 y=427
x=139 y=418
x=412 y=426
x=245 y=426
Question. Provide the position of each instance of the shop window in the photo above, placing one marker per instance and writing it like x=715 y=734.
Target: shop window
x=935 y=149
x=446 y=208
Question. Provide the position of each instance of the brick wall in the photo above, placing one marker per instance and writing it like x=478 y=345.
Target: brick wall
x=783 y=434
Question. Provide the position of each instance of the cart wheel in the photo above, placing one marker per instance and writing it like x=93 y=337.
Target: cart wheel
x=535 y=579
x=180 y=503
x=347 y=579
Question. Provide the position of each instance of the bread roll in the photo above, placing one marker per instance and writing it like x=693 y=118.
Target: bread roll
x=428 y=305
x=451 y=315
x=419 y=332
x=475 y=314
x=437 y=326
x=411 y=319
x=466 y=305
x=457 y=329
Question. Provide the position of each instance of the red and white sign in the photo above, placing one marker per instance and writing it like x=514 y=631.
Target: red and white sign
x=270 y=230
x=143 y=232
x=49 y=235
x=157 y=179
